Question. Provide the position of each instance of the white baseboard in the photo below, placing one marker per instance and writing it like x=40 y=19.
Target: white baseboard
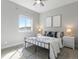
x=7 y=46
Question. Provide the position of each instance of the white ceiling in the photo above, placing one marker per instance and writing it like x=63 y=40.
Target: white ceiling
x=49 y=4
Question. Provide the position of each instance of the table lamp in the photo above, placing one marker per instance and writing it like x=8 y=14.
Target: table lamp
x=69 y=30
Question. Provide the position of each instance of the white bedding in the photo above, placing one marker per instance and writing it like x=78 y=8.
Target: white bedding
x=55 y=44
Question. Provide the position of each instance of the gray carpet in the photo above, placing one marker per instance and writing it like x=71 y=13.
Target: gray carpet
x=19 y=52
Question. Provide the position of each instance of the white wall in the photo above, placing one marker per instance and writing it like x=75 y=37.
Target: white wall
x=69 y=16
x=9 y=23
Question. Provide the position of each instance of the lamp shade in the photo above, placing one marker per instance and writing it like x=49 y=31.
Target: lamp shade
x=39 y=29
x=69 y=31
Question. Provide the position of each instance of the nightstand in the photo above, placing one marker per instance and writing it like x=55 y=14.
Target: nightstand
x=68 y=41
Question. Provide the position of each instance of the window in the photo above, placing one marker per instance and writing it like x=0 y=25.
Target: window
x=25 y=23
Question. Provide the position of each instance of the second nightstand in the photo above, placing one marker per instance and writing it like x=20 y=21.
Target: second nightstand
x=68 y=41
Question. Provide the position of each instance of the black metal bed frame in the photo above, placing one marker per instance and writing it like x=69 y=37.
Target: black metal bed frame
x=40 y=46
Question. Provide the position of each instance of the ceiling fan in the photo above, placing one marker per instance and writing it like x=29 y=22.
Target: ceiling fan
x=39 y=2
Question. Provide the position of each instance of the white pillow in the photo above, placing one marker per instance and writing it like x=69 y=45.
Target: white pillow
x=58 y=34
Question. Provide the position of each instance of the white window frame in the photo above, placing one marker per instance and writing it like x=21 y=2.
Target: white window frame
x=31 y=18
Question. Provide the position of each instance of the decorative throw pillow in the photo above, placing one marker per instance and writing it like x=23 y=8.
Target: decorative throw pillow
x=50 y=34
x=55 y=34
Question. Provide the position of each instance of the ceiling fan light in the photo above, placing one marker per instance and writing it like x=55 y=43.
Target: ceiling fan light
x=38 y=1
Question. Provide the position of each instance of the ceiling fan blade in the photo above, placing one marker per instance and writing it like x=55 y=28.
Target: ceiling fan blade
x=42 y=4
x=34 y=4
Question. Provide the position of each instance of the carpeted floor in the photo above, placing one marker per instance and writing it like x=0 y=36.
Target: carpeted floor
x=19 y=52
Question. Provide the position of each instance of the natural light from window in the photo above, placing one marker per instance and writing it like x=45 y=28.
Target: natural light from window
x=15 y=54
x=25 y=23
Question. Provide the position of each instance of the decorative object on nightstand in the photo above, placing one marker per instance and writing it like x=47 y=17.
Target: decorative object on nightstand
x=68 y=39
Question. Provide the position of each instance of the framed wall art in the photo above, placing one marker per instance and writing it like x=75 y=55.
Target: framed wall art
x=57 y=21
x=48 y=21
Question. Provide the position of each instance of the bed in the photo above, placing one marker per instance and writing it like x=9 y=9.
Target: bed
x=51 y=43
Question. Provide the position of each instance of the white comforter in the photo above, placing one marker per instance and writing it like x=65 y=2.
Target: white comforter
x=54 y=48
x=55 y=44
